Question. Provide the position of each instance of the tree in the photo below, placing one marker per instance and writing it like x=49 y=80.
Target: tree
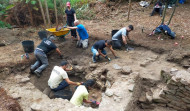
x=173 y=12
x=47 y=13
x=42 y=11
x=55 y=12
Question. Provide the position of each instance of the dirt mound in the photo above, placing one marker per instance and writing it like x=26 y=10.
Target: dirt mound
x=7 y=102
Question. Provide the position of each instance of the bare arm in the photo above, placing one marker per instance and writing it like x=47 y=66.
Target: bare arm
x=87 y=101
x=100 y=52
x=112 y=51
x=58 y=51
x=128 y=37
x=72 y=28
x=75 y=16
x=71 y=82
x=124 y=39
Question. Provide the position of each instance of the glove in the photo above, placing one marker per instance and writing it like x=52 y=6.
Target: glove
x=128 y=48
x=61 y=56
x=108 y=58
x=116 y=57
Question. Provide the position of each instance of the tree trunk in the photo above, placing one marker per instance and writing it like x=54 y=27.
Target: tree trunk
x=42 y=11
x=166 y=5
x=16 y=17
x=47 y=13
x=62 y=7
x=129 y=9
x=55 y=12
x=173 y=12
x=31 y=16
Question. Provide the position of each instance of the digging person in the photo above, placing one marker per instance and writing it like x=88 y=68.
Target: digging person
x=59 y=79
x=40 y=53
x=120 y=38
x=81 y=94
x=165 y=29
x=98 y=49
x=83 y=34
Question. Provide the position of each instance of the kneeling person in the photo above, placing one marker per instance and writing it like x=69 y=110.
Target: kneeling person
x=81 y=93
x=98 y=49
x=59 y=79
x=83 y=35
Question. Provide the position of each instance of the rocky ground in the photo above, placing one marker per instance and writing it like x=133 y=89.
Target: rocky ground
x=122 y=83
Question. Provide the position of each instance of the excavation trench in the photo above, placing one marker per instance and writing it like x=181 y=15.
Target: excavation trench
x=142 y=73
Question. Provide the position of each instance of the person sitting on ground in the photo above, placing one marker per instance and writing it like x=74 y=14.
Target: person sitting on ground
x=83 y=35
x=157 y=8
x=81 y=93
x=164 y=28
x=120 y=38
x=59 y=79
x=40 y=53
x=98 y=49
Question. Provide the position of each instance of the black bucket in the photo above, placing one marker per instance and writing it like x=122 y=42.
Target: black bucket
x=28 y=46
x=113 y=32
x=42 y=34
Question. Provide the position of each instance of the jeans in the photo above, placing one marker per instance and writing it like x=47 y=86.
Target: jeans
x=73 y=32
x=156 y=10
x=42 y=61
x=172 y=34
x=61 y=86
x=82 y=43
x=117 y=44
x=95 y=51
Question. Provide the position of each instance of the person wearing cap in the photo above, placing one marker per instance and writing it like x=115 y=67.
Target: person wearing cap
x=83 y=34
x=40 y=53
x=98 y=49
x=82 y=92
x=59 y=79
x=70 y=18
x=120 y=37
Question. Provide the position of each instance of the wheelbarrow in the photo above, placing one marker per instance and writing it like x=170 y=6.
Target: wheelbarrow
x=61 y=33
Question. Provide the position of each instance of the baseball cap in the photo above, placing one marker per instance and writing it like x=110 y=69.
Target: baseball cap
x=51 y=37
x=63 y=63
x=68 y=4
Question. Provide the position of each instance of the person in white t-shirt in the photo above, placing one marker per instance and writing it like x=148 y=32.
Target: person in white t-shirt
x=81 y=94
x=59 y=79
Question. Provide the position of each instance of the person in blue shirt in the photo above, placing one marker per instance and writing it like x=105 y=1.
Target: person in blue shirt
x=83 y=34
x=40 y=52
x=157 y=8
x=164 y=28
x=98 y=49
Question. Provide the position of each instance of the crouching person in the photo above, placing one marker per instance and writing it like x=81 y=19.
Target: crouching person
x=59 y=79
x=40 y=53
x=83 y=35
x=81 y=94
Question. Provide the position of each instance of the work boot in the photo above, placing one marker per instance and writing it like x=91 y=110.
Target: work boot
x=98 y=58
x=94 y=59
x=37 y=74
x=31 y=71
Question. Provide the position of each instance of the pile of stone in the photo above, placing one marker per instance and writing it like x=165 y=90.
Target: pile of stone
x=173 y=91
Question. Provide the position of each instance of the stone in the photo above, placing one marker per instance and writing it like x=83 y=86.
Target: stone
x=47 y=91
x=15 y=96
x=173 y=70
x=131 y=87
x=117 y=99
x=102 y=77
x=74 y=62
x=183 y=81
x=187 y=87
x=188 y=70
x=93 y=65
x=79 y=69
x=149 y=97
x=108 y=84
x=173 y=87
x=147 y=106
x=156 y=97
x=24 y=80
x=36 y=107
x=109 y=93
x=116 y=66
x=126 y=70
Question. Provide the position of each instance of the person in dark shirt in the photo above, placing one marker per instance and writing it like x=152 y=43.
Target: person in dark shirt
x=157 y=8
x=40 y=52
x=98 y=49
x=165 y=29
x=70 y=18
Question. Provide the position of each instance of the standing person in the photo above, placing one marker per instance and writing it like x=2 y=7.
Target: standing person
x=59 y=79
x=70 y=18
x=83 y=34
x=40 y=52
x=157 y=8
x=81 y=94
x=98 y=49
x=120 y=38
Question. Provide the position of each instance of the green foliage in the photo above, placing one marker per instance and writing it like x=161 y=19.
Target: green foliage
x=4 y=25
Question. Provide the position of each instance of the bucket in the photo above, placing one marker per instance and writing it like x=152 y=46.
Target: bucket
x=113 y=32
x=28 y=46
x=42 y=34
